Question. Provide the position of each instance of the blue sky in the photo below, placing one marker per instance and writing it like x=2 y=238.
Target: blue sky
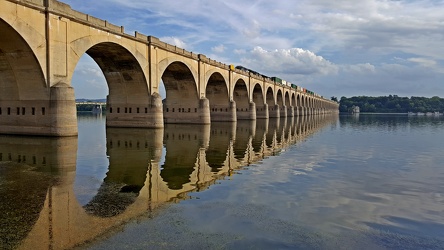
x=335 y=48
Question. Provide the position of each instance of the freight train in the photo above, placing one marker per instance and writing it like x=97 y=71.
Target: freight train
x=277 y=80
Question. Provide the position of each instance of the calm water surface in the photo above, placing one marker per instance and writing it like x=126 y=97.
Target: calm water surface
x=353 y=182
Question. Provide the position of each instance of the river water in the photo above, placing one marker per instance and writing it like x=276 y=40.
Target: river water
x=322 y=182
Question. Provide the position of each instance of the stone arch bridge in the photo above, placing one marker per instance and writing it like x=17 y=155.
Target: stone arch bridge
x=42 y=41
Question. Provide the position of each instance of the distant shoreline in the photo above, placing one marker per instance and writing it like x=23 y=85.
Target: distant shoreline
x=379 y=113
x=372 y=113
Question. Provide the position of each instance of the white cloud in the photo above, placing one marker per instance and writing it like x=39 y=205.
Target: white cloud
x=96 y=71
x=359 y=68
x=423 y=61
x=295 y=61
x=239 y=51
x=175 y=41
x=219 y=48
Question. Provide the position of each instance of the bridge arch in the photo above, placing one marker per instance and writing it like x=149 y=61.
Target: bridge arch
x=129 y=102
x=182 y=103
x=21 y=74
x=216 y=91
x=241 y=97
x=165 y=63
x=287 y=102
x=24 y=95
x=281 y=102
x=102 y=46
x=273 y=110
x=123 y=73
x=294 y=103
x=238 y=77
x=260 y=102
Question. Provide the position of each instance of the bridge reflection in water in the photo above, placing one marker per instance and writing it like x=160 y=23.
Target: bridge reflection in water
x=39 y=204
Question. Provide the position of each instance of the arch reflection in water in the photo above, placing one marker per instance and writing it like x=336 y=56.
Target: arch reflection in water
x=221 y=138
x=37 y=175
x=130 y=153
x=185 y=146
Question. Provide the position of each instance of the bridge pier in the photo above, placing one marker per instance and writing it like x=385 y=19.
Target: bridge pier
x=55 y=116
x=290 y=111
x=224 y=113
x=63 y=113
x=283 y=112
x=274 y=112
x=252 y=111
x=247 y=113
x=176 y=113
x=262 y=112
x=301 y=111
x=136 y=114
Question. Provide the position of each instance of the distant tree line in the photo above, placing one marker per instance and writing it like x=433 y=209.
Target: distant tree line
x=391 y=104
x=88 y=107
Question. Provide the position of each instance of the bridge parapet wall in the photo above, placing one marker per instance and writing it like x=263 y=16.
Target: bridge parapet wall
x=152 y=40
x=40 y=4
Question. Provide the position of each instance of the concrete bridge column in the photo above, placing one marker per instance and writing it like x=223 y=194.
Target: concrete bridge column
x=204 y=111
x=62 y=111
x=223 y=113
x=246 y=113
x=262 y=112
x=274 y=112
x=301 y=111
x=180 y=113
x=290 y=111
x=252 y=112
x=283 y=112
x=136 y=114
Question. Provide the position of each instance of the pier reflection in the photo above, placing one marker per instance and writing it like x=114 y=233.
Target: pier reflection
x=29 y=168
x=147 y=169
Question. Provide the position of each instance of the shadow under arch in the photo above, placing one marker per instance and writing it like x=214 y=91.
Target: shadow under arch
x=24 y=96
x=273 y=110
x=217 y=93
x=21 y=77
x=280 y=102
x=129 y=102
x=287 y=102
x=259 y=100
x=182 y=102
x=240 y=96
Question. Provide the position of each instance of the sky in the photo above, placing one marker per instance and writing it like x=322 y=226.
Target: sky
x=334 y=48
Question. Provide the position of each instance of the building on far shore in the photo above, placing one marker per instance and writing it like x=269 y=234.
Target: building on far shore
x=355 y=109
